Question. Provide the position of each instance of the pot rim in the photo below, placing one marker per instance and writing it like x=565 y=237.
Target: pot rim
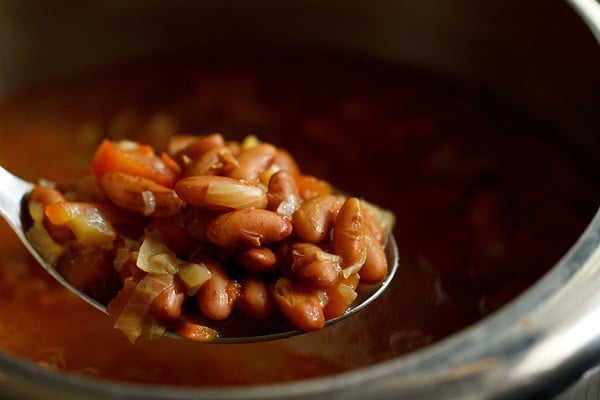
x=501 y=355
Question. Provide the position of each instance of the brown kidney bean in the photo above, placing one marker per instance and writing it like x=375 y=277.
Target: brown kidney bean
x=375 y=267
x=217 y=297
x=348 y=239
x=249 y=227
x=302 y=307
x=212 y=162
x=256 y=300
x=314 y=267
x=227 y=193
x=340 y=295
x=183 y=145
x=373 y=224
x=171 y=231
x=196 y=220
x=282 y=186
x=286 y=162
x=140 y=195
x=257 y=259
x=315 y=217
x=167 y=305
x=253 y=162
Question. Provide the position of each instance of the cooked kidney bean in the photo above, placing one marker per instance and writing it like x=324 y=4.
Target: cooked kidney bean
x=140 y=195
x=314 y=218
x=253 y=162
x=192 y=146
x=282 y=187
x=167 y=305
x=340 y=295
x=348 y=239
x=303 y=307
x=241 y=232
x=255 y=300
x=216 y=298
x=250 y=227
x=375 y=267
x=258 y=259
x=314 y=267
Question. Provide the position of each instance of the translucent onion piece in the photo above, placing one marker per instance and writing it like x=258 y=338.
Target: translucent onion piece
x=288 y=206
x=133 y=319
x=249 y=142
x=351 y=269
x=149 y=202
x=155 y=257
x=193 y=276
x=235 y=195
x=41 y=240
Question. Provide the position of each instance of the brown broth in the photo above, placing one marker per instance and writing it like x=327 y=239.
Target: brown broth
x=483 y=209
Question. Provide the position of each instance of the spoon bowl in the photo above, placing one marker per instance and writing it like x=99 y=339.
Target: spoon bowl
x=13 y=192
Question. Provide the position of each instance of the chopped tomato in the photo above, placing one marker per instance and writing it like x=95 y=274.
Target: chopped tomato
x=85 y=220
x=135 y=159
x=192 y=331
x=310 y=186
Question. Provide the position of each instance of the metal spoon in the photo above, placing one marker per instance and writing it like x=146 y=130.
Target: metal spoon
x=13 y=191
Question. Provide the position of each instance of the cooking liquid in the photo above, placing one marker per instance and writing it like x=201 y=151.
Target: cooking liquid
x=483 y=207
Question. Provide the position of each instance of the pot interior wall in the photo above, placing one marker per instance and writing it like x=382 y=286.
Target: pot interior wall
x=538 y=54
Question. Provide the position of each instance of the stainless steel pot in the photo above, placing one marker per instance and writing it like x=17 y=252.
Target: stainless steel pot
x=538 y=55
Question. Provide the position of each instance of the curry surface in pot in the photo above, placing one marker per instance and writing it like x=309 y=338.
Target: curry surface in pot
x=485 y=203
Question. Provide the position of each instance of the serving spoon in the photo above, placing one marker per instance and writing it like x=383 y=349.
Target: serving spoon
x=13 y=191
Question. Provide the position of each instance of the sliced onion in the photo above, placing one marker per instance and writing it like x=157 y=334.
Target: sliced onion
x=354 y=268
x=149 y=202
x=235 y=195
x=288 y=206
x=249 y=142
x=133 y=319
x=193 y=276
x=43 y=243
x=155 y=257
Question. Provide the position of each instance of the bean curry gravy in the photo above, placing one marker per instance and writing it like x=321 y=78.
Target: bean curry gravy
x=484 y=201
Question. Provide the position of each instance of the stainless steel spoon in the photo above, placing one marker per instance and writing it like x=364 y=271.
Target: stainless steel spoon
x=13 y=191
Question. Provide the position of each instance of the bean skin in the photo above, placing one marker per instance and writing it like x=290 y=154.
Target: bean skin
x=348 y=239
x=140 y=195
x=167 y=305
x=256 y=300
x=375 y=267
x=302 y=307
x=315 y=217
x=217 y=297
x=193 y=148
x=249 y=227
x=253 y=162
x=195 y=190
x=286 y=162
x=373 y=224
x=213 y=162
x=258 y=259
x=282 y=186
x=340 y=295
x=312 y=268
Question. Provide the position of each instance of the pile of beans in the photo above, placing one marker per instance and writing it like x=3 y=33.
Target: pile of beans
x=221 y=227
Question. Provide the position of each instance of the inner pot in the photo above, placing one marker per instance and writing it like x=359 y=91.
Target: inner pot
x=538 y=343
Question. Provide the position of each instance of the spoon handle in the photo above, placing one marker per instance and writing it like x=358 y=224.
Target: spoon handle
x=12 y=190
